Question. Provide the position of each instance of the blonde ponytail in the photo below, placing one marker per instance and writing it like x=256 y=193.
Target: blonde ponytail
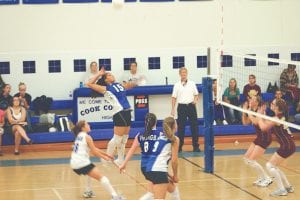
x=168 y=126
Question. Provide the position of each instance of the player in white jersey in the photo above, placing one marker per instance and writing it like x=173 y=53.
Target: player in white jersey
x=157 y=149
x=80 y=158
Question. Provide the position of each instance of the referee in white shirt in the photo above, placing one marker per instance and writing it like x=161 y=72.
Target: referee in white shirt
x=185 y=93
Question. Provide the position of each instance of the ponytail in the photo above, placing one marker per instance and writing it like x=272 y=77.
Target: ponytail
x=168 y=125
x=150 y=121
x=78 y=127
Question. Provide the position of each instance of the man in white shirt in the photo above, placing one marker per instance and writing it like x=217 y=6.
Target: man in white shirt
x=134 y=77
x=186 y=93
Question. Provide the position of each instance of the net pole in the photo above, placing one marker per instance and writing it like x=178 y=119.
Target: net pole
x=208 y=112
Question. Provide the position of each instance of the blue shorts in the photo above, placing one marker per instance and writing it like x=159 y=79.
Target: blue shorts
x=156 y=177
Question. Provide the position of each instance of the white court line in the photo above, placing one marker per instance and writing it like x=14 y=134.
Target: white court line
x=57 y=194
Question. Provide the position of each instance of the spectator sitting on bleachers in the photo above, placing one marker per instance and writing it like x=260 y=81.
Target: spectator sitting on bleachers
x=297 y=115
x=134 y=77
x=16 y=115
x=219 y=114
x=232 y=95
x=289 y=84
x=1 y=132
x=5 y=99
x=251 y=89
x=25 y=100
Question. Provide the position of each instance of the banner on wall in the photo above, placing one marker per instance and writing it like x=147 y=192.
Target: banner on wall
x=94 y=109
x=141 y=101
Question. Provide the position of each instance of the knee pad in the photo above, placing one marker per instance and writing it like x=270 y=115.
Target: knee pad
x=124 y=139
x=117 y=139
x=104 y=180
x=270 y=167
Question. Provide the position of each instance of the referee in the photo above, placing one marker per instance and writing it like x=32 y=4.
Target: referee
x=186 y=94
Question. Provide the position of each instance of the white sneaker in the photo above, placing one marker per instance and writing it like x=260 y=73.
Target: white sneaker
x=290 y=189
x=258 y=181
x=279 y=192
x=119 y=197
x=215 y=123
x=88 y=194
x=225 y=122
x=265 y=182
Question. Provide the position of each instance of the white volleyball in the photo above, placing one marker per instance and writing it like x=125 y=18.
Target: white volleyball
x=118 y=3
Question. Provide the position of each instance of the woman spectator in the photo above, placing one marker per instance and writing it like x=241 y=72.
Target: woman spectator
x=16 y=115
x=232 y=95
x=25 y=99
x=5 y=97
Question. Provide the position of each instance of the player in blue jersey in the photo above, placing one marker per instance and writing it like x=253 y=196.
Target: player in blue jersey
x=157 y=149
x=116 y=93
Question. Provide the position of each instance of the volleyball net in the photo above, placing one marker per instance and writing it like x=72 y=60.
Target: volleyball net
x=266 y=72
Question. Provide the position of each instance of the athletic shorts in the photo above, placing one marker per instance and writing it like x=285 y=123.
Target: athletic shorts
x=84 y=170
x=122 y=118
x=263 y=140
x=287 y=150
x=156 y=177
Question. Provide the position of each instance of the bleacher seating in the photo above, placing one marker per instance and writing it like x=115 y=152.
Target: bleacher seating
x=103 y=131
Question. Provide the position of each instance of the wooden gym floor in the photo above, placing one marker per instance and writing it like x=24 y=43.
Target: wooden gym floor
x=46 y=175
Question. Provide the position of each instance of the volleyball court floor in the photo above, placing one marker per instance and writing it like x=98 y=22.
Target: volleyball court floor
x=47 y=176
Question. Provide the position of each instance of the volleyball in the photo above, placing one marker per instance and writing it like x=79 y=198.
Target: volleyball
x=118 y=3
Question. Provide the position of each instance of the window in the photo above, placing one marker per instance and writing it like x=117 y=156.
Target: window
x=28 y=67
x=250 y=62
x=295 y=56
x=4 y=68
x=178 y=61
x=226 y=61
x=127 y=62
x=106 y=62
x=54 y=66
x=79 y=65
x=275 y=56
x=154 y=63
x=201 y=61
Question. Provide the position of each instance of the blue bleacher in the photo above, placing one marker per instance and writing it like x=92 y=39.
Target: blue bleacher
x=103 y=131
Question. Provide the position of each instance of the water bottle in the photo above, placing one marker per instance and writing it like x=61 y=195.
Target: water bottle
x=166 y=80
x=81 y=84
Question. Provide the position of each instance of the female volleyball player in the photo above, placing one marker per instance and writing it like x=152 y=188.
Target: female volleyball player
x=157 y=149
x=258 y=146
x=80 y=159
x=121 y=112
x=286 y=149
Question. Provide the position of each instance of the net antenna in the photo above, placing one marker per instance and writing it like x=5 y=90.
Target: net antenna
x=240 y=66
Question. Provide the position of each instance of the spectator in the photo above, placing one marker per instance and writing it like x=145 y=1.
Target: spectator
x=93 y=72
x=185 y=93
x=5 y=98
x=251 y=89
x=1 y=132
x=2 y=83
x=16 y=115
x=25 y=100
x=219 y=114
x=134 y=77
x=289 y=83
x=232 y=95
x=297 y=115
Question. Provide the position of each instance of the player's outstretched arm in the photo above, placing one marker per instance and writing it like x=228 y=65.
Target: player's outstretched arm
x=131 y=151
